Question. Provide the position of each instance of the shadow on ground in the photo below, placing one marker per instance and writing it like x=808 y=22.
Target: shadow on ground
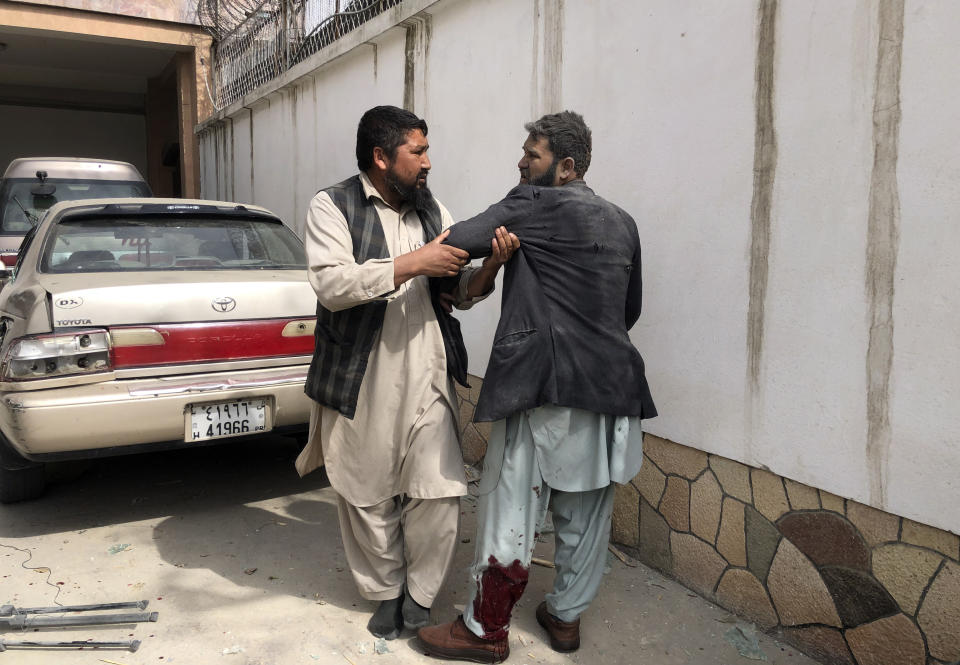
x=286 y=547
x=243 y=561
x=88 y=494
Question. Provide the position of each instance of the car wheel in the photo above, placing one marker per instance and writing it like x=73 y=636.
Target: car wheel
x=20 y=479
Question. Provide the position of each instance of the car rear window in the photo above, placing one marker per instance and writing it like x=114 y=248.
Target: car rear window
x=163 y=243
x=19 y=209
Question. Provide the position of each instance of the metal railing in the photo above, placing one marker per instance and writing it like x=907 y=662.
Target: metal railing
x=257 y=40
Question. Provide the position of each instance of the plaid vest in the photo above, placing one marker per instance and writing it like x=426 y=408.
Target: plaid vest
x=344 y=339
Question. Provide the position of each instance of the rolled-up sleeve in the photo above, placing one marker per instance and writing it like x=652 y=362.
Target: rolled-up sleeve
x=337 y=279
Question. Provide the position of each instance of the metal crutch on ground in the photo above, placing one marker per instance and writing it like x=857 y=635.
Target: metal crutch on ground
x=131 y=646
x=23 y=618
x=10 y=610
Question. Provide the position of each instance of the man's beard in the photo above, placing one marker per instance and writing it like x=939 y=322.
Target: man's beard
x=413 y=194
x=547 y=178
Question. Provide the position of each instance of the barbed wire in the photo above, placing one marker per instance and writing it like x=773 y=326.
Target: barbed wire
x=257 y=40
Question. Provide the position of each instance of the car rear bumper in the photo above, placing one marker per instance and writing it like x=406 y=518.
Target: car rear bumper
x=140 y=414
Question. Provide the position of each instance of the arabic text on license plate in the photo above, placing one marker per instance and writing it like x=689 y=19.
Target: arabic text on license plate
x=221 y=419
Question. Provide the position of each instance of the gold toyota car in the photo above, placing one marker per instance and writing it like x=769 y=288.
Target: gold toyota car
x=141 y=324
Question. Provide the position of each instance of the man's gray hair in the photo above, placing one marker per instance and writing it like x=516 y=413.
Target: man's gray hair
x=568 y=136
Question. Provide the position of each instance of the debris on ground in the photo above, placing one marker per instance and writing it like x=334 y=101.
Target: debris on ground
x=236 y=648
x=744 y=638
x=270 y=523
x=623 y=556
x=380 y=647
x=119 y=547
x=249 y=571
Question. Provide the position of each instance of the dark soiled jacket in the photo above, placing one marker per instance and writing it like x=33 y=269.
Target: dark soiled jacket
x=570 y=294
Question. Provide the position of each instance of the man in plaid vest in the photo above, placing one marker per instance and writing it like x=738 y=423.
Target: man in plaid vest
x=384 y=422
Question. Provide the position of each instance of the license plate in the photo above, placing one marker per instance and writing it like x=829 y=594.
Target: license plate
x=217 y=420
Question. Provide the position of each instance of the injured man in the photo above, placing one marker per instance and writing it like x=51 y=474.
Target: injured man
x=565 y=389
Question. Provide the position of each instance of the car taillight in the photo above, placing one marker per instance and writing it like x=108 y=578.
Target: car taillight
x=141 y=346
x=59 y=354
x=9 y=259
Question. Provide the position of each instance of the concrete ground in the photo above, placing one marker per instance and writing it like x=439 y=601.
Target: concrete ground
x=242 y=559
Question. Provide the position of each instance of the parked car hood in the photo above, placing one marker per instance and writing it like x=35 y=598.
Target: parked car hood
x=182 y=296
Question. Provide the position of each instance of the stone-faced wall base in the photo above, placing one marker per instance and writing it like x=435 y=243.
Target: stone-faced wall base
x=473 y=436
x=841 y=581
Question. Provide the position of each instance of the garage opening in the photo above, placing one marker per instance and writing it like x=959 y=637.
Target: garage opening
x=64 y=94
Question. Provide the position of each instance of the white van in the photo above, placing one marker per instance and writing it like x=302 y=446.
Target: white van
x=31 y=185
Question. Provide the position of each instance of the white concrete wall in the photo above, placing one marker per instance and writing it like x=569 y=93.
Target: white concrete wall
x=925 y=400
x=670 y=91
x=29 y=131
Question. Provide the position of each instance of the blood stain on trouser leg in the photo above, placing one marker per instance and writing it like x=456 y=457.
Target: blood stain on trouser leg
x=498 y=589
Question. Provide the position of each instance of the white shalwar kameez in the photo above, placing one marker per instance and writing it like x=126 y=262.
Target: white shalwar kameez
x=397 y=464
x=563 y=458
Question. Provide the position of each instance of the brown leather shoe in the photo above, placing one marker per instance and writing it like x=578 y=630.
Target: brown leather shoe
x=564 y=635
x=454 y=641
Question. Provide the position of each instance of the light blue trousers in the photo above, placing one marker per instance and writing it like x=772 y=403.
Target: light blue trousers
x=508 y=522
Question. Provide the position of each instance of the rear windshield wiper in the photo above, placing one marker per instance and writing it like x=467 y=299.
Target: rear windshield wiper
x=30 y=216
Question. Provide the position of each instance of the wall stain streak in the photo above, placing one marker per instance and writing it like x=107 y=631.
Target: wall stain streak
x=233 y=163
x=426 y=38
x=547 y=77
x=294 y=100
x=253 y=196
x=226 y=133
x=419 y=32
x=764 y=173
x=216 y=161
x=317 y=150
x=225 y=172
x=535 y=73
x=553 y=55
x=409 y=67
x=883 y=238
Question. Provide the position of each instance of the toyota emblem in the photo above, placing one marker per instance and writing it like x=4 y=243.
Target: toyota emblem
x=225 y=304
